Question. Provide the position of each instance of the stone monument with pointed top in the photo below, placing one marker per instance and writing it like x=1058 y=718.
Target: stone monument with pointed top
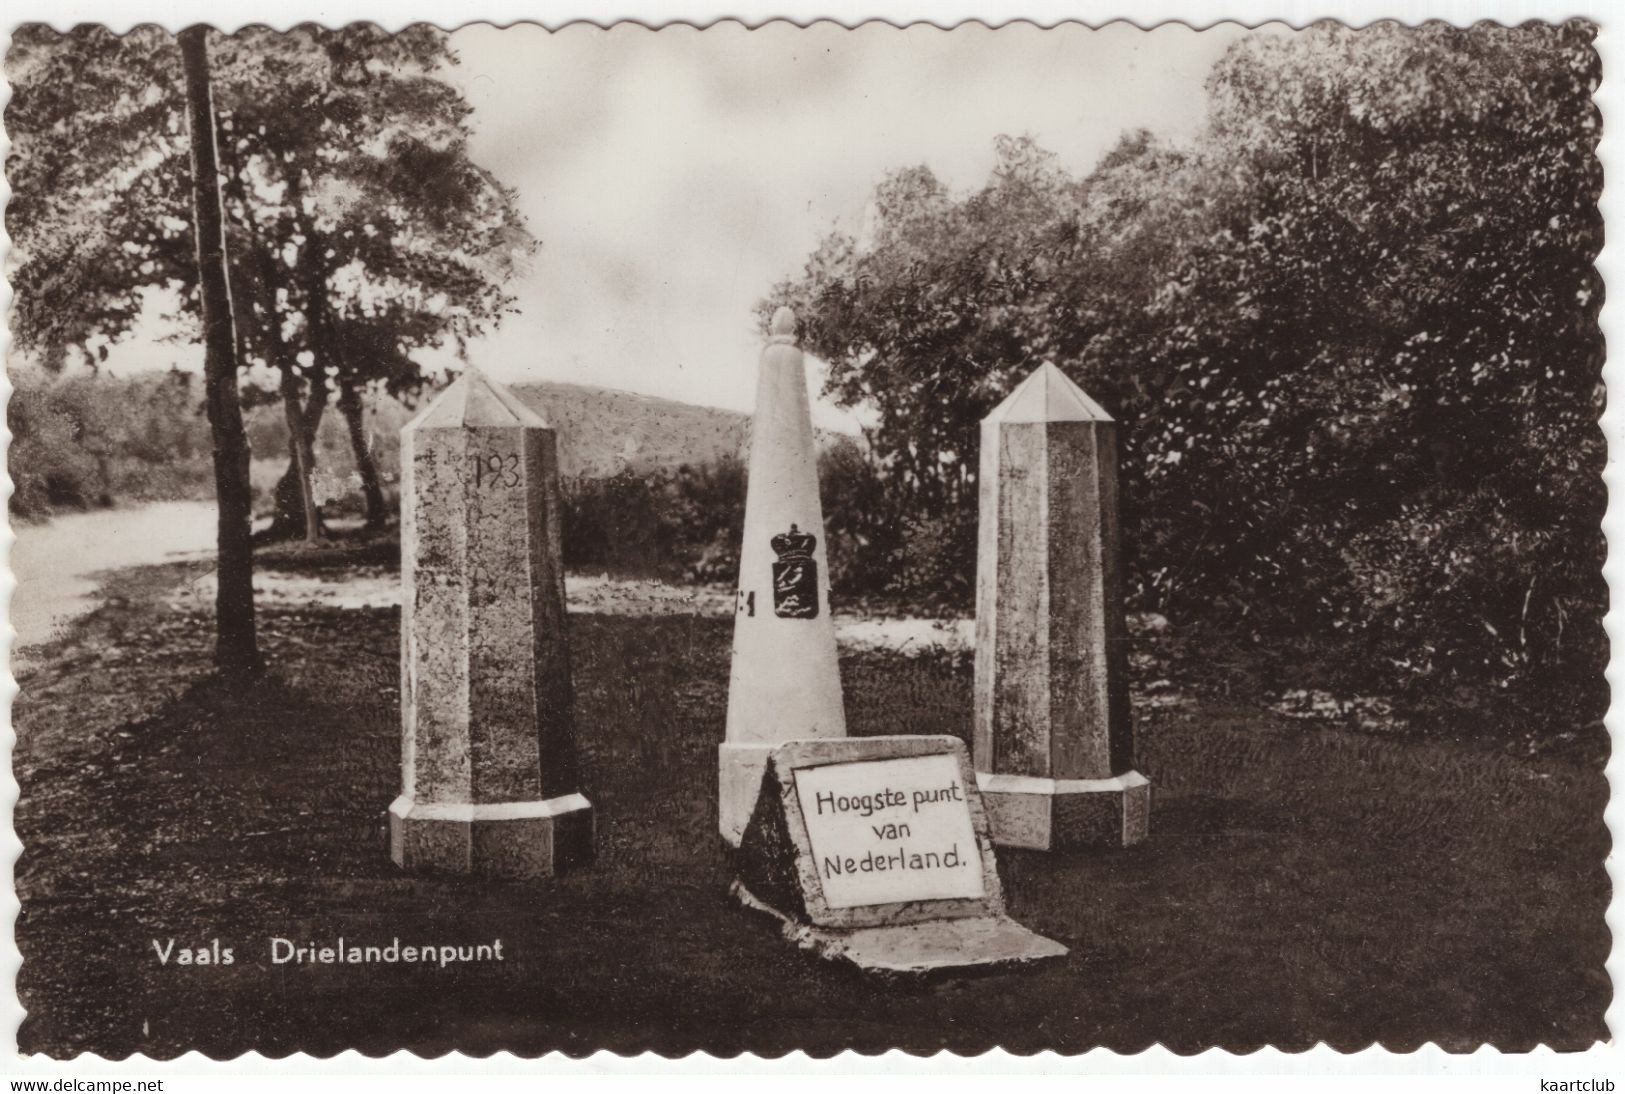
x=489 y=784
x=1054 y=746
x=785 y=683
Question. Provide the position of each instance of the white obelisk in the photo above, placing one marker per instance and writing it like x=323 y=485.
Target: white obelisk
x=786 y=683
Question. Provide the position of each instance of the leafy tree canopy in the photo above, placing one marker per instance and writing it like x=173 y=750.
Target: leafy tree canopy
x=1350 y=331
x=350 y=194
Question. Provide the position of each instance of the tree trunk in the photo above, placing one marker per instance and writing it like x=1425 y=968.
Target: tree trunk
x=299 y=500
x=302 y=456
x=288 y=521
x=236 y=643
x=371 y=484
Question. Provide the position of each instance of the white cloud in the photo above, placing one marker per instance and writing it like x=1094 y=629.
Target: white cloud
x=674 y=176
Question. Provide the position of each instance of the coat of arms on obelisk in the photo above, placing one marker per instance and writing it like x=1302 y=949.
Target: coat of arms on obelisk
x=795 y=575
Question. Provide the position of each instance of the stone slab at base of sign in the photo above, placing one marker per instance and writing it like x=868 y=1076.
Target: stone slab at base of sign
x=875 y=851
x=1066 y=814
x=517 y=840
x=980 y=943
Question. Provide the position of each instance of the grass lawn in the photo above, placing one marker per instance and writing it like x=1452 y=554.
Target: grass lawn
x=1300 y=885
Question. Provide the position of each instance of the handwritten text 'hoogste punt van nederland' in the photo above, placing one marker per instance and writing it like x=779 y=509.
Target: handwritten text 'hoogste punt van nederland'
x=891 y=830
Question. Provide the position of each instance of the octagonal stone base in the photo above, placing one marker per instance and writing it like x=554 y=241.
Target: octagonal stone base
x=1061 y=814
x=534 y=839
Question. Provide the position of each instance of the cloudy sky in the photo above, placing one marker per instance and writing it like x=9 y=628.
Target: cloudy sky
x=674 y=176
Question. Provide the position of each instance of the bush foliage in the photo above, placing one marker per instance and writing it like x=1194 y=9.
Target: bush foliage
x=85 y=441
x=687 y=523
x=1350 y=332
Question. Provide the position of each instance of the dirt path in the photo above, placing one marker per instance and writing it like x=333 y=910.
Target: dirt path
x=587 y=595
x=58 y=567
x=54 y=563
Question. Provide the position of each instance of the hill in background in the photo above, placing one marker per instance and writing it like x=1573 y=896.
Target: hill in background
x=601 y=432
x=84 y=441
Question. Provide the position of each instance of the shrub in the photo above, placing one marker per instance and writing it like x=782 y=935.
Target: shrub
x=860 y=520
x=84 y=441
x=1350 y=331
x=687 y=523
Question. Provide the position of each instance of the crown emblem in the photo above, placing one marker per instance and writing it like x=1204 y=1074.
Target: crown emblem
x=794 y=545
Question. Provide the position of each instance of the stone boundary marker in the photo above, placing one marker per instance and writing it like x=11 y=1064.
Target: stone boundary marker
x=785 y=681
x=488 y=777
x=875 y=851
x=1054 y=741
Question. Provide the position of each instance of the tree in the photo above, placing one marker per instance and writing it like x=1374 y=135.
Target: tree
x=1350 y=330
x=236 y=649
x=390 y=239
x=350 y=196
x=115 y=187
x=100 y=173
x=1387 y=360
x=927 y=319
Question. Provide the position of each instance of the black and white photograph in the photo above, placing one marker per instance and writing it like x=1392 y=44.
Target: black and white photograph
x=802 y=537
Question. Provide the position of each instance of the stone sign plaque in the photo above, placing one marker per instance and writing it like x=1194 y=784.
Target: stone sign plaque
x=889 y=831
x=874 y=851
